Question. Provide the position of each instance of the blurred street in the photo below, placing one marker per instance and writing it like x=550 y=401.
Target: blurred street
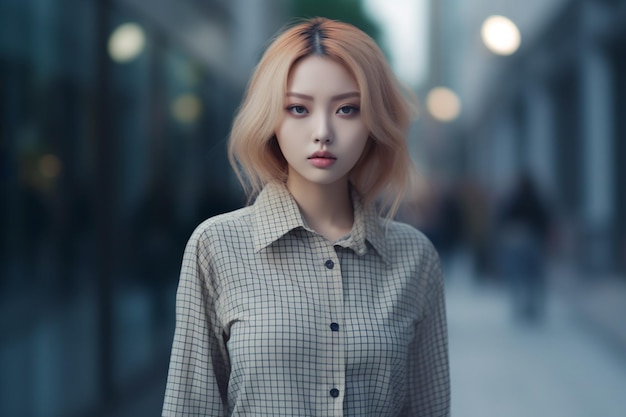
x=557 y=368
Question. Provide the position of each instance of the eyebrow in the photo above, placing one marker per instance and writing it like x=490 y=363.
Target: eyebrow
x=334 y=98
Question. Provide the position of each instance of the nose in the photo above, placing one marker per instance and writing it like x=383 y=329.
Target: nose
x=323 y=131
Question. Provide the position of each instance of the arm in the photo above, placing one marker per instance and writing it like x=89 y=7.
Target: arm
x=429 y=379
x=198 y=373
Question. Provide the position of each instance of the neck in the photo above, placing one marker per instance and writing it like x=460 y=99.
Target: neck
x=327 y=209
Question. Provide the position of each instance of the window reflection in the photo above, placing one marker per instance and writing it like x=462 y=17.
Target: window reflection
x=167 y=116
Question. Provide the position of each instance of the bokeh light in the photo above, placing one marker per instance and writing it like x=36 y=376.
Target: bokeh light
x=186 y=108
x=126 y=42
x=443 y=104
x=49 y=166
x=501 y=35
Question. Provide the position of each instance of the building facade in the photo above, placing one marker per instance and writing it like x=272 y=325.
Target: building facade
x=554 y=108
x=114 y=116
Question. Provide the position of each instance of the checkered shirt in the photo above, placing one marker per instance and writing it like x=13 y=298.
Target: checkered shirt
x=274 y=320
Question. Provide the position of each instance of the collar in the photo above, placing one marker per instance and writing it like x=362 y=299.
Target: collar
x=276 y=213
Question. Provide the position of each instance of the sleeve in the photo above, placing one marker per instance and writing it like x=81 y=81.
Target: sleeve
x=429 y=379
x=198 y=372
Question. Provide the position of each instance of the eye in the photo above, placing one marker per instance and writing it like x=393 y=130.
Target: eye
x=347 y=110
x=297 y=110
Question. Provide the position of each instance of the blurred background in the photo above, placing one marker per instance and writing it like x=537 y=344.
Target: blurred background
x=113 y=121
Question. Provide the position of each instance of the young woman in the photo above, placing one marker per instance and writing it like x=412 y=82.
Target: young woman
x=308 y=302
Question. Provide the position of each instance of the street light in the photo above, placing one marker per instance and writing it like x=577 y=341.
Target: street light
x=500 y=35
x=443 y=104
x=187 y=108
x=126 y=42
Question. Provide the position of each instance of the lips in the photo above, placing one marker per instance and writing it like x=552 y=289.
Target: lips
x=322 y=155
x=322 y=159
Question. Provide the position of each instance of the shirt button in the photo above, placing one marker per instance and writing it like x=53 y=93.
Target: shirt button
x=334 y=327
x=329 y=264
x=334 y=393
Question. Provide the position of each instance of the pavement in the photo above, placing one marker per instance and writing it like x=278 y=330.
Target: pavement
x=568 y=365
x=599 y=303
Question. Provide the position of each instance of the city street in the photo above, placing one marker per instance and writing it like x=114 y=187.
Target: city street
x=499 y=368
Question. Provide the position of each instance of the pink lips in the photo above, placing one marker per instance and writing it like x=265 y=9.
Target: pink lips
x=322 y=159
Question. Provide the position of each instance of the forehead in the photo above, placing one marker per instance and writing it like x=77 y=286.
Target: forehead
x=318 y=74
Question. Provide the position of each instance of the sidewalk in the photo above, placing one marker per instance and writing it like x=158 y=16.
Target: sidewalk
x=599 y=303
x=501 y=367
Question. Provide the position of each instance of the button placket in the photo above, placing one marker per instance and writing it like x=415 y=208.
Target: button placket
x=331 y=288
x=335 y=296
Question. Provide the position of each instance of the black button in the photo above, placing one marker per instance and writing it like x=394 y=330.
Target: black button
x=334 y=327
x=334 y=393
x=329 y=264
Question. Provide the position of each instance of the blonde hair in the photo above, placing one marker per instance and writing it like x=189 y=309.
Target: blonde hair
x=385 y=168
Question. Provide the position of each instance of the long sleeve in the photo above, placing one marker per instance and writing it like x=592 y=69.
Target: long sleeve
x=198 y=373
x=429 y=379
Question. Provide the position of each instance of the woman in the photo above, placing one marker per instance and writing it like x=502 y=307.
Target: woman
x=307 y=302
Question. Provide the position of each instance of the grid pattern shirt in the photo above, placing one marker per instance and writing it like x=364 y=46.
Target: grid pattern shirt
x=274 y=320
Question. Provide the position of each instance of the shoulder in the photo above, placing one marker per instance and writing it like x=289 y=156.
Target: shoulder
x=412 y=251
x=404 y=238
x=222 y=227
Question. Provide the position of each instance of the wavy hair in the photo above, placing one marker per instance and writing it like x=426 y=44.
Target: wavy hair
x=385 y=169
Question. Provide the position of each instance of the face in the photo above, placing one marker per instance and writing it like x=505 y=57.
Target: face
x=321 y=133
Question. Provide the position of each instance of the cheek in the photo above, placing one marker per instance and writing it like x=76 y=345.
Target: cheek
x=356 y=130
x=281 y=135
x=360 y=139
x=286 y=129
x=286 y=140
x=359 y=145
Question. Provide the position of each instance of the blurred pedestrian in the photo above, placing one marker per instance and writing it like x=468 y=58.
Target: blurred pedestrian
x=474 y=203
x=523 y=232
x=308 y=302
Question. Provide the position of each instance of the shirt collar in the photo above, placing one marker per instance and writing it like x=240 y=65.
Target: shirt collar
x=276 y=213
